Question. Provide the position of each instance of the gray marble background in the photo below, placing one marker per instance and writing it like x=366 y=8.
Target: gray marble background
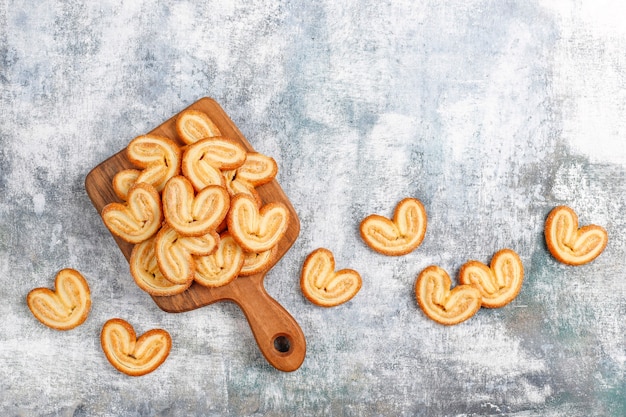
x=490 y=112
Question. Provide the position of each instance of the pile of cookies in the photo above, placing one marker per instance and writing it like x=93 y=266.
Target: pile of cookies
x=193 y=212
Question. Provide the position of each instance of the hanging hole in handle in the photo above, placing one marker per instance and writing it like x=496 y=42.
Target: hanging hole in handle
x=282 y=344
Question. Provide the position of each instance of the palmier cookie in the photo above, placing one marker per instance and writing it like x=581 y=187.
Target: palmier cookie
x=222 y=266
x=324 y=286
x=254 y=229
x=258 y=169
x=174 y=253
x=123 y=181
x=192 y=214
x=570 y=244
x=255 y=263
x=160 y=158
x=131 y=355
x=137 y=219
x=146 y=273
x=67 y=306
x=194 y=125
x=439 y=303
x=498 y=283
x=400 y=235
x=204 y=161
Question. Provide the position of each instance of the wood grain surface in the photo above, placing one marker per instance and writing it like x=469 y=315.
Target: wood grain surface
x=278 y=335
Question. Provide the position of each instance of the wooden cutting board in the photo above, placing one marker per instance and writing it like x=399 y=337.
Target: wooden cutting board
x=276 y=332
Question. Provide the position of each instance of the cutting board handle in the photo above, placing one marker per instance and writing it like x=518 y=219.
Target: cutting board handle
x=278 y=335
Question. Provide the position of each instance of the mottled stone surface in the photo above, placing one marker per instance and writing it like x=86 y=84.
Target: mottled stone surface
x=490 y=112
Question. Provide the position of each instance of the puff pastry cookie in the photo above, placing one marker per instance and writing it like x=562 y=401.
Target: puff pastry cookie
x=146 y=273
x=255 y=263
x=324 y=286
x=400 y=235
x=570 y=244
x=222 y=266
x=137 y=219
x=194 y=125
x=175 y=253
x=439 y=302
x=256 y=230
x=123 y=181
x=131 y=355
x=67 y=306
x=192 y=214
x=258 y=169
x=499 y=283
x=160 y=158
x=204 y=161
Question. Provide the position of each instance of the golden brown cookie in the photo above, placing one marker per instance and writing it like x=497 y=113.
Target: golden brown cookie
x=160 y=158
x=258 y=169
x=146 y=273
x=255 y=263
x=222 y=266
x=194 y=125
x=123 y=181
x=439 y=303
x=137 y=219
x=67 y=306
x=256 y=230
x=400 y=235
x=204 y=161
x=498 y=284
x=324 y=286
x=570 y=244
x=131 y=355
x=175 y=253
x=192 y=214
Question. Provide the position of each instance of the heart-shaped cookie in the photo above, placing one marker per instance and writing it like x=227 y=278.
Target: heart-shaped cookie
x=160 y=158
x=175 y=253
x=222 y=266
x=67 y=306
x=439 y=303
x=139 y=218
x=254 y=263
x=192 y=214
x=498 y=284
x=256 y=230
x=570 y=244
x=123 y=181
x=131 y=355
x=146 y=273
x=400 y=235
x=194 y=125
x=204 y=161
x=324 y=286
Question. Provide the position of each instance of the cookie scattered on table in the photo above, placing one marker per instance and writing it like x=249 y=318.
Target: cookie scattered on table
x=324 y=286
x=131 y=355
x=400 y=235
x=65 y=307
x=498 y=283
x=570 y=244
x=442 y=304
